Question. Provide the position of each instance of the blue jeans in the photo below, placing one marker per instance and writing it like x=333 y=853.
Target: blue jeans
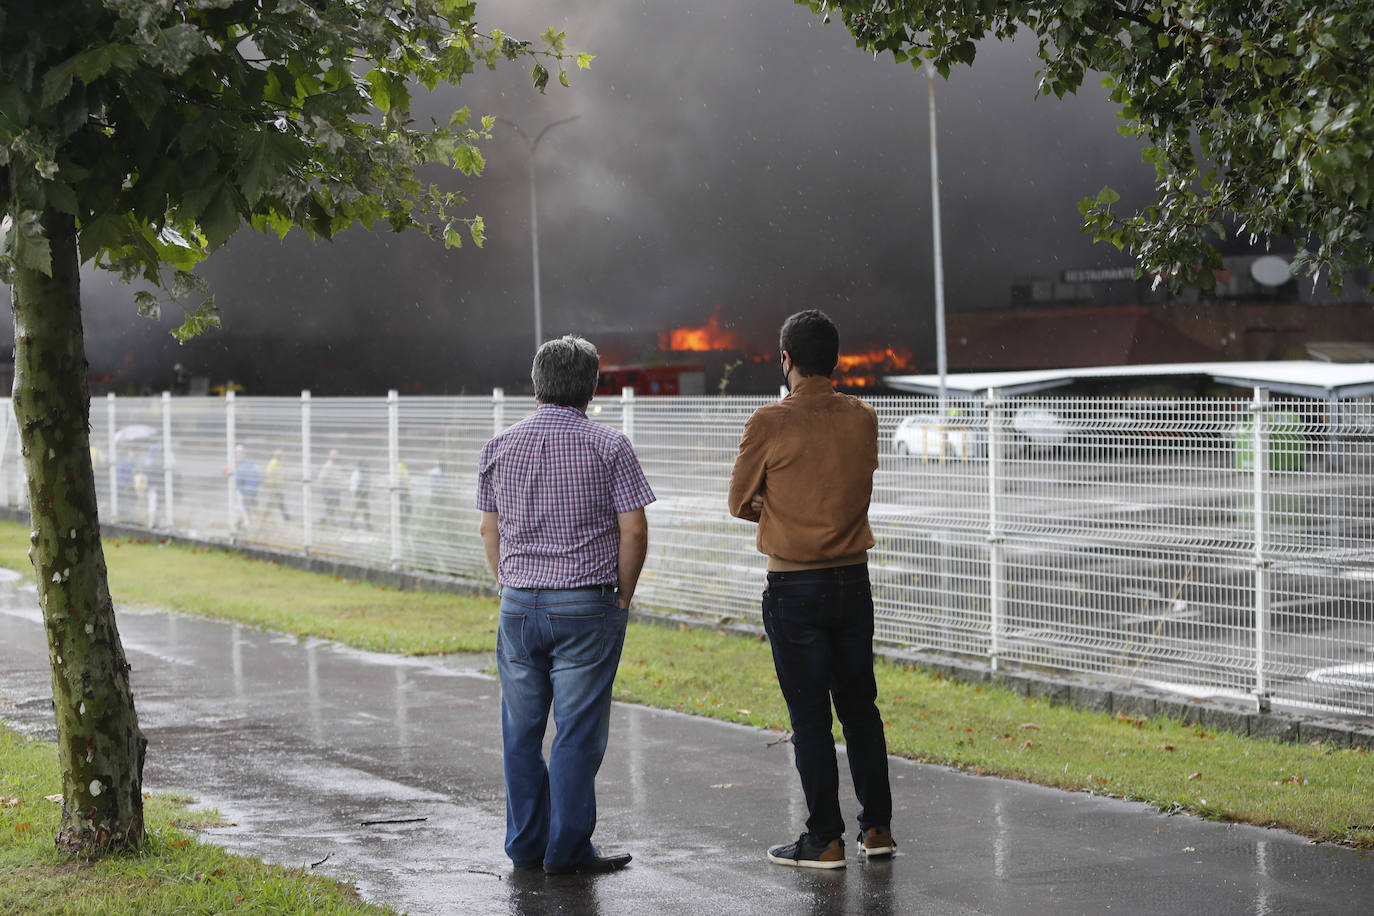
x=555 y=648
x=820 y=626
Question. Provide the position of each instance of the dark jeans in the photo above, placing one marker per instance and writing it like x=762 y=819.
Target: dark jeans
x=820 y=625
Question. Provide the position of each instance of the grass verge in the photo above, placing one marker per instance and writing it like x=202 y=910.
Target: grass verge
x=173 y=874
x=1317 y=791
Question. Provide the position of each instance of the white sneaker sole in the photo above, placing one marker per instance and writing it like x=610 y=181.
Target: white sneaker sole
x=881 y=852
x=805 y=863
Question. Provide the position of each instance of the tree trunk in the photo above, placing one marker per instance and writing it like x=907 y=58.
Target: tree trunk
x=100 y=747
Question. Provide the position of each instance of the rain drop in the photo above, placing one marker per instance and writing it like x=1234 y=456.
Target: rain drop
x=96 y=787
x=81 y=709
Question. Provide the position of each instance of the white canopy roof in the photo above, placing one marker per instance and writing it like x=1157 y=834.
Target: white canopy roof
x=1308 y=378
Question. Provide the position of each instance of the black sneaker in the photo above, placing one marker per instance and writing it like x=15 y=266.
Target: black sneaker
x=805 y=853
x=876 y=842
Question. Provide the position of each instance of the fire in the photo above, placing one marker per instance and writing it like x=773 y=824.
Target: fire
x=861 y=370
x=709 y=336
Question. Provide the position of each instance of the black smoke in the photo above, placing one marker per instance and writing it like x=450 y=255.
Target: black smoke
x=735 y=155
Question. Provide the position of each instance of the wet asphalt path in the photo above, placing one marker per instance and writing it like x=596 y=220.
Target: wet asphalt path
x=298 y=743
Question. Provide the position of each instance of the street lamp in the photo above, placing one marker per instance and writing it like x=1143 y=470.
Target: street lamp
x=534 y=217
x=939 y=255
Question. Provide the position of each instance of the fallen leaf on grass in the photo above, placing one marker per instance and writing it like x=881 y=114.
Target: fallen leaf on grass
x=1028 y=725
x=23 y=827
x=744 y=712
x=55 y=799
x=1165 y=747
x=1028 y=744
x=1293 y=780
x=1195 y=776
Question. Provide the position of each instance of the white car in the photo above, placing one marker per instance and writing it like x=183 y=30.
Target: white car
x=1041 y=428
x=926 y=434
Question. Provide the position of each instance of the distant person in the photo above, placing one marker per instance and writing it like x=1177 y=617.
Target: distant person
x=274 y=488
x=563 y=525
x=804 y=473
x=246 y=482
x=330 y=481
x=360 y=489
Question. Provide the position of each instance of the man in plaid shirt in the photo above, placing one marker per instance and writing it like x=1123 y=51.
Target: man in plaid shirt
x=562 y=502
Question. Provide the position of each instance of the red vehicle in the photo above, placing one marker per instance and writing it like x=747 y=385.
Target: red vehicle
x=679 y=379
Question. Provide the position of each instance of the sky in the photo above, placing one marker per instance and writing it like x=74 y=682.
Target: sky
x=741 y=161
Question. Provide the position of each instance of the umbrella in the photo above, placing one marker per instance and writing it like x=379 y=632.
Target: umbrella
x=134 y=433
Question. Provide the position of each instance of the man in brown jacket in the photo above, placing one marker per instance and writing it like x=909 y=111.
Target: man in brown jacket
x=804 y=473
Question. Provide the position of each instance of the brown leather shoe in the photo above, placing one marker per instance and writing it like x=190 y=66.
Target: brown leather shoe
x=876 y=842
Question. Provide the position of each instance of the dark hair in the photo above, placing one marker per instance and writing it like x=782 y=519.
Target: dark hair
x=812 y=340
x=564 y=371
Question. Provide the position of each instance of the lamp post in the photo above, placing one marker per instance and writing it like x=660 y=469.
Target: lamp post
x=534 y=217
x=939 y=254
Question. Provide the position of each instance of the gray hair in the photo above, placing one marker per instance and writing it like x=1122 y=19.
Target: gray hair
x=564 y=371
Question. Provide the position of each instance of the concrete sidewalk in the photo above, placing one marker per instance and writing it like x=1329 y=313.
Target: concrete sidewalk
x=299 y=743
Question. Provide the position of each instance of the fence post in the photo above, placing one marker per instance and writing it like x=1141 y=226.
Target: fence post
x=627 y=413
x=498 y=410
x=307 y=513
x=167 y=460
x=112 y=458
x=393 y=445
x=996 y=557
x=1260 y=454
x=231 y=473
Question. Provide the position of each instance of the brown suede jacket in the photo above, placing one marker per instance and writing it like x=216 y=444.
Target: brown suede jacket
x=811 y=456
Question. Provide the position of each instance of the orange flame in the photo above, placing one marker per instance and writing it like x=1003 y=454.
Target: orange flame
x=861 y=370
x=709 y=336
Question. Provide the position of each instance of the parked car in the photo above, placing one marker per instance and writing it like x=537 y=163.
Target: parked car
x=927 y=434
x=1039 y=428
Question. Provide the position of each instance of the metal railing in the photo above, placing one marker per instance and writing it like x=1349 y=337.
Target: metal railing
x=1206 y=546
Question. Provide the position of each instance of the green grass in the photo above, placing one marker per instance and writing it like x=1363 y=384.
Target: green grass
x=227 y=586
x=173 y=874
x=1318 y=791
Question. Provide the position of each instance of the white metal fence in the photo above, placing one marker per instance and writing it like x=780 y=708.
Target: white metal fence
x=1134 y=539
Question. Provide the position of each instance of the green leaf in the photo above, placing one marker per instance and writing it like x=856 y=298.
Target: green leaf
x=60 y=196
x=468 y=159
x=101 y=234
x=148 y=305
x=540 y=74
x=584 y=61
x=221 y=218
x=57 y=84
x=205 y=317
x=381 y=93
x=32 y=250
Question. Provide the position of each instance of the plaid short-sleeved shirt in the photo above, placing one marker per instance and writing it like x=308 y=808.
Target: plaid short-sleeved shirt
x=556 y=481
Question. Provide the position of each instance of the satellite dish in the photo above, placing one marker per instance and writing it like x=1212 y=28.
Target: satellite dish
x=1270 y=271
